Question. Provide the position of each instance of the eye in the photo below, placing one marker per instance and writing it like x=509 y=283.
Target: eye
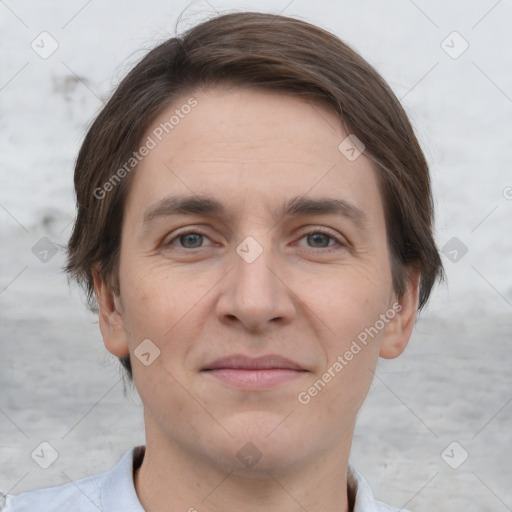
x=187 y=240
x=320 y=239
x=317 y=239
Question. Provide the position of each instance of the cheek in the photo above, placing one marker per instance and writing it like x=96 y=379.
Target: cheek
x=348 y=299
x=340 y=386
x=347 y=311
x=164 y=306
x=153 y=295
x=350 y=387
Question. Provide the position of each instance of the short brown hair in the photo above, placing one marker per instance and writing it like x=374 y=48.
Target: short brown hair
x=267 y=51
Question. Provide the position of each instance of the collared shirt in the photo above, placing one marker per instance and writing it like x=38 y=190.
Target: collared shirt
x=114 y=491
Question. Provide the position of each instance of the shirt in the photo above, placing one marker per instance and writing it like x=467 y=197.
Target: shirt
x=114 y=491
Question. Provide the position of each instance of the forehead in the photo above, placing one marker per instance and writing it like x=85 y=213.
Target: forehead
x=251 y=123
x=250 y=146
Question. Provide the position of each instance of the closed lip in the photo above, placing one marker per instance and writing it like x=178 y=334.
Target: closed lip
x=243 y=362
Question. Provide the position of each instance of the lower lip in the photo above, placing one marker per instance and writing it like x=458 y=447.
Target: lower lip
x=255 y=379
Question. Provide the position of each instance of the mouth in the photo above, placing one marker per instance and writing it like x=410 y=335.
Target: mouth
x=254 y=373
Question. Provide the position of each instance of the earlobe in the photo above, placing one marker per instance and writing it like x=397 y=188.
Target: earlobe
x=399 y=330
x=111 y=317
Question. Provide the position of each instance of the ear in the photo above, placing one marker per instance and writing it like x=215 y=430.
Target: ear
x=111 y=317
x=399 y=329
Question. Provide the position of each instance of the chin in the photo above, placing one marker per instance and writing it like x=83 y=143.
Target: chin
x=262 y=443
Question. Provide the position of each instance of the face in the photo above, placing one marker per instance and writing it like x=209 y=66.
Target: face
x=254 y=259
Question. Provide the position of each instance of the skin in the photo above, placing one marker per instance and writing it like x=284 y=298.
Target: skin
x=199 y=300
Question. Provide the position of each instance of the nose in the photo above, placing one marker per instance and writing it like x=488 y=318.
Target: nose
x=255 y=294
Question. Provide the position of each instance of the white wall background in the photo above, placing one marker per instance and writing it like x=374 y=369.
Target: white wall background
x=453 y=384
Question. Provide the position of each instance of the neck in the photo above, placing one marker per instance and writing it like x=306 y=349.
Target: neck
x=173 y=479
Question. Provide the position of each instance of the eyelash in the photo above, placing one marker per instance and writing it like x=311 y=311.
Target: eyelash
x=339 y=243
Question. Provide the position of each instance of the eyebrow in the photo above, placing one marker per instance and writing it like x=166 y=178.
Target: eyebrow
x=300 y=205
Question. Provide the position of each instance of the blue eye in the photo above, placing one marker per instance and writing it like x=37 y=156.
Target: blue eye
x=319 y=238
x=315 y=240
x=195 y=240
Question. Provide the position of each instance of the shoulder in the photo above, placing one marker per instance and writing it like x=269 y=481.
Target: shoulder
x=382 y=507
x=81 y=496
x=89 y=494
x=362 y=495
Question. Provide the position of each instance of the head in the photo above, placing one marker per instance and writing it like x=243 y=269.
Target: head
x=253 y=187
